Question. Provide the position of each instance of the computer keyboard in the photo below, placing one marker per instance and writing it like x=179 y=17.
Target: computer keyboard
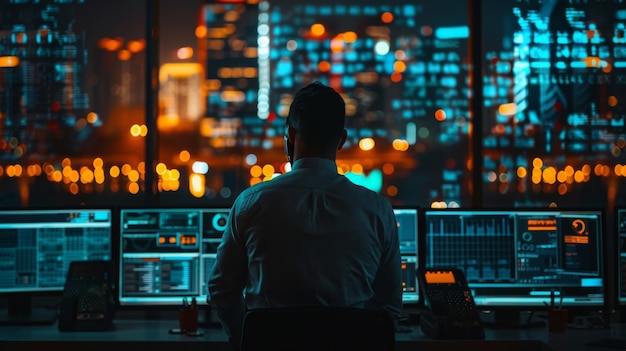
x=609 y=342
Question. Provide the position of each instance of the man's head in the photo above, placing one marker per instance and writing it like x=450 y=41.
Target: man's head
x=316 y=121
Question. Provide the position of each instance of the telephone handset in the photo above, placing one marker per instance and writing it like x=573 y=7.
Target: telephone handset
x=88 y=303
x=450 y=309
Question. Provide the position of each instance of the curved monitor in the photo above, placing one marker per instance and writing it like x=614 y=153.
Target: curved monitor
x=521 y=257
x=36 y=249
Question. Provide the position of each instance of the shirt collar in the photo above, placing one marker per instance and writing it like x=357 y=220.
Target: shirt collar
x=315 y=162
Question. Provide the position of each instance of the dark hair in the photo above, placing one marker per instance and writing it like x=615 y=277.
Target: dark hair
x=318 y=114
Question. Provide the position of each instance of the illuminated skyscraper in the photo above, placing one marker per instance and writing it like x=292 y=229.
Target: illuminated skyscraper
x=42 y=101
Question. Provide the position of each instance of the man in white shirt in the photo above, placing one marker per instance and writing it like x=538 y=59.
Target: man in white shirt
x=309 y=237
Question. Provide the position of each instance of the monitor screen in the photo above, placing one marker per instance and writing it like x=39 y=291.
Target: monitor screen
x=521 y=257
x=36 y=248
x=167 y=254
x=620 y=232
x=407 y=232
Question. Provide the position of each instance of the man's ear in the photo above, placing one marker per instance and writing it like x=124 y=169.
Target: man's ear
x=342 y=140
x=291 y=134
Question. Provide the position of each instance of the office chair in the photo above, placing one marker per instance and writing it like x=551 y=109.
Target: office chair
x=317 y=328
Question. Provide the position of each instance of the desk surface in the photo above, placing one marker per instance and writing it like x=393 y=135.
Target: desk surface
x=137 y=334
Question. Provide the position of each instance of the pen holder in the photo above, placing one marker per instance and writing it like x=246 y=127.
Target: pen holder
x=557 y=320
x=188 y=319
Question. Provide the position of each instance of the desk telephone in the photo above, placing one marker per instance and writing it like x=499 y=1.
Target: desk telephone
x=88 y=302
x=450 y=309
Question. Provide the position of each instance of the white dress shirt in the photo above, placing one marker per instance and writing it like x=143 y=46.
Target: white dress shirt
x=309 y=237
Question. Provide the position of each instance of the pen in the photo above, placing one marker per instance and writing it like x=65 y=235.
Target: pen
x=560 y=299
x=193 y=302
x=552 y=299
x=185 y=304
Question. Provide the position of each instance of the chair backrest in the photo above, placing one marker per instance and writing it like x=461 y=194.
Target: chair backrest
x=317 y=328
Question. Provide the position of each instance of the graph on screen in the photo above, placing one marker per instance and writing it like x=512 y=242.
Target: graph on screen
x=521 y=257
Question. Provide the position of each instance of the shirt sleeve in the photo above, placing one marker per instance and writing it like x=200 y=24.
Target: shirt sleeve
x=228 y=279
x=388 y=282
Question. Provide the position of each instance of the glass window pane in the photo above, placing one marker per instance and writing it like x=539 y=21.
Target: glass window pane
x=71 y=90
x=401 y=67
x=553 y=123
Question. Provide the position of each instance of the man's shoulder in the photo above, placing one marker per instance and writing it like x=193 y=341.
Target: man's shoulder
x=370 y=194
x=370 y=200
x=266 y=187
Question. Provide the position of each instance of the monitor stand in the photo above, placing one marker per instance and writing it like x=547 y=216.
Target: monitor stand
x=20 y=312
x=511 y=319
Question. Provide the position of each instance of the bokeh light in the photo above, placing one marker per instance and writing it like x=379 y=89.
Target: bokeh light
x=366 y=144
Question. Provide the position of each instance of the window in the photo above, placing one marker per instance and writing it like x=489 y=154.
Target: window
x=549 y=128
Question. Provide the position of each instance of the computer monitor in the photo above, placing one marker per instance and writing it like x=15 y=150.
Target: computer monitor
x=521 y=258
x=167 y=254
x=620 y=233
x=407 y=219
x=36 y=248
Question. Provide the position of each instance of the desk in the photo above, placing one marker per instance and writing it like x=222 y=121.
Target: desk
x=139 y=335
x=133 y=335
